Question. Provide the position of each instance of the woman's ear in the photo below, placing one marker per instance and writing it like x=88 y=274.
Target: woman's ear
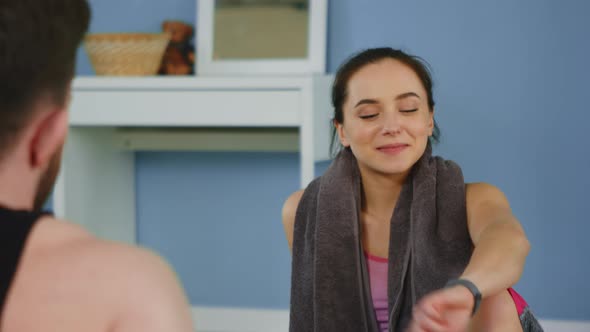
x=49 y=136
x=341 y=134
x=431 y=122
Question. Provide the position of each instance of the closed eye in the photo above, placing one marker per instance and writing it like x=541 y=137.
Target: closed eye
x=367 y=116
x=409 y=111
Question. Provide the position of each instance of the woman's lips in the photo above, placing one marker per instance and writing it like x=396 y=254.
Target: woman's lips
x=392 y=149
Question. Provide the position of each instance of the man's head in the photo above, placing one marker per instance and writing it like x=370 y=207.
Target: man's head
x=38 y=44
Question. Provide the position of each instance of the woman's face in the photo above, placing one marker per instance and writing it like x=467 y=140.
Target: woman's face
x=387 y=120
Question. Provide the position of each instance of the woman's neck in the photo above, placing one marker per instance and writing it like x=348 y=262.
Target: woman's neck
x=380 y=192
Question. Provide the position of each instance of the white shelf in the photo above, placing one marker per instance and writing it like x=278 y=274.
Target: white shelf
x=189 y=102
x=257 y=82
x=197 y=103
x=208 y=139
x=111 y=117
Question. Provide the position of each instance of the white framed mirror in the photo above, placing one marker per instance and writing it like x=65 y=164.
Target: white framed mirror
x=262 y=37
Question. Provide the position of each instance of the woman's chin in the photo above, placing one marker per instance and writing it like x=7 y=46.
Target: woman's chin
x=393 y=170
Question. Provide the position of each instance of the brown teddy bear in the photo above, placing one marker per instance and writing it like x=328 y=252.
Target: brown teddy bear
x=179 y=57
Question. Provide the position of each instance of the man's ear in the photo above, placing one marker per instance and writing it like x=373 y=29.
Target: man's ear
x=341 y=134
x=49 y=136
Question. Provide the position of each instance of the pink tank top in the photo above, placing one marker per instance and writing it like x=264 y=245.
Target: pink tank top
x=377 y=268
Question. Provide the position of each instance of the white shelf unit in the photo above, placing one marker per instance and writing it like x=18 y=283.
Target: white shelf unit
x=111 y=118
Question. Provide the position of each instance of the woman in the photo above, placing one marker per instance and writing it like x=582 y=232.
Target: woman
x=391 y=238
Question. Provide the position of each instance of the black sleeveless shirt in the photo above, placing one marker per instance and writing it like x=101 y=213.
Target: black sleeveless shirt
x=15 y=227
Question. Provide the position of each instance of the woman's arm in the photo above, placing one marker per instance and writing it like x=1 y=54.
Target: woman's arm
x=500 y=244
x=496 y=263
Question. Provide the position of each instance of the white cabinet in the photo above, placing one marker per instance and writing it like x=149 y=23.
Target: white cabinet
x=111 y=118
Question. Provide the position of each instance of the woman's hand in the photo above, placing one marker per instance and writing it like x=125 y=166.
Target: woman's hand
x=445 y=310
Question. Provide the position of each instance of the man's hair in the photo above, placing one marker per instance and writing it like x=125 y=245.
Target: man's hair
x=38 y=44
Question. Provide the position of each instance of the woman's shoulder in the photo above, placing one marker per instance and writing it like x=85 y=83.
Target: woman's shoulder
x=292 y=202
x=482 y=190
x=290 y=206
x=477 y=192
x=289 y=212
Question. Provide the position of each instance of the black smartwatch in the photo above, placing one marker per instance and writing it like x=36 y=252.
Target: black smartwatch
x=472 y=288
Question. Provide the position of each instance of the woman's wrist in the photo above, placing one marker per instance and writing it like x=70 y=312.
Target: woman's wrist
x=472 y=289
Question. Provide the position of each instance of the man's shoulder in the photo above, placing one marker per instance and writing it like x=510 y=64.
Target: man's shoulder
x=69 y=246
x=66 y=268
x=60 y=255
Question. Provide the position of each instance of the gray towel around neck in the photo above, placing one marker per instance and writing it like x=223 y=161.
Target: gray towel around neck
x=429 y=244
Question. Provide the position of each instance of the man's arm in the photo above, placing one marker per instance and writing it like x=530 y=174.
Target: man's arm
x=151 y=296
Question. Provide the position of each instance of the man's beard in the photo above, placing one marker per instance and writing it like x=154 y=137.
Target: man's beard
x=47 y=181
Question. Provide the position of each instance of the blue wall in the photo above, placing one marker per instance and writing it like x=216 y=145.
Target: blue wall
x=216 y=216
x=511 y=80
x=511 y=84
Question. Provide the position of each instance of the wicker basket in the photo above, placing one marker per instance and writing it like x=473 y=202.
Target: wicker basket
x=126 y=54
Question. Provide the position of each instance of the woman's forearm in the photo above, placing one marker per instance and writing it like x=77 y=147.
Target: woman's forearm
x=498 y=259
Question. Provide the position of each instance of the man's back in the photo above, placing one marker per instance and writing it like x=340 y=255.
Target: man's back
x=54 y=276
x=67 y=280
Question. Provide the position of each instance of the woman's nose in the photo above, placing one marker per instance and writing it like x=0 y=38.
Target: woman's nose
x=391 y=123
